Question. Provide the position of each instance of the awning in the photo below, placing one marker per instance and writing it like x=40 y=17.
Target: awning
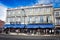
x=32 y=26
x=40 y=26
x=7 y=26
x=19 y=26
x=14 y=26
x=47 y=25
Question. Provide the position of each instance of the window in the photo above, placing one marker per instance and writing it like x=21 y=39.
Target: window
x=40 y=9
x=45 y=19
x=37 y=19
x=49 y=20
x=30 y=19
x=8 y=13
x=57 y=21
x=47 y=10
x=23 y=20
x=18 y=19
x=23 y=12
x=13 y=12
x=57 y=13
x=18 y=12
x=18 y=22
x=12 y=19
x=41 y=19
x=35 y=9
x=30 y=11
x=8 y=20
x=12 y=22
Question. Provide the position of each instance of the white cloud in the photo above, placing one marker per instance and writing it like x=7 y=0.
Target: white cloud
x=57 y=1
x=44 y=1
x=2 y=12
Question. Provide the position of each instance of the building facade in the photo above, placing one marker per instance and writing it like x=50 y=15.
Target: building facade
x=1 y=23
x=40 y=18
x=57 y=17
x=1 y=26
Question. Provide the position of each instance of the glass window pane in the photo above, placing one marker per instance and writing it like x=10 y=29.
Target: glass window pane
x=22 y=20
x=37 y=19
x=57 y=13
x=8 y=20
x=18 y=19
x=49 y=19
x=41 y=19
x=57 y=22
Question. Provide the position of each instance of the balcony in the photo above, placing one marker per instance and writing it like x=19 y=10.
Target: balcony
x=18 y=22
x=15 y=22
x=12 y=22
x=33 y=22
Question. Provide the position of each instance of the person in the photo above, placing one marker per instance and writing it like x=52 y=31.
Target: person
x=17 y=31
x=6 y=31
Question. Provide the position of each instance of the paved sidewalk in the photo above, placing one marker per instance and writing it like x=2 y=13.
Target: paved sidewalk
x=23 y=34
x=29 y=34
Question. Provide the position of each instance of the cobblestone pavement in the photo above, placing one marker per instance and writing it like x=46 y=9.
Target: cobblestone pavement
x=19 y=37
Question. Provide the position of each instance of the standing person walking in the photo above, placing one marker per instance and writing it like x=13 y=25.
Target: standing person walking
x=17 y=31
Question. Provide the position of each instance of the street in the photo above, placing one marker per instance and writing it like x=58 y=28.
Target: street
x=20 y=37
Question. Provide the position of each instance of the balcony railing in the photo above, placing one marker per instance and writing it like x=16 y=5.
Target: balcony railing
x=15 y=22
x=57 y=15
x=39 y=22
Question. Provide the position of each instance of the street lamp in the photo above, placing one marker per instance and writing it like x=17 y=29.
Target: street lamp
x=24 y=16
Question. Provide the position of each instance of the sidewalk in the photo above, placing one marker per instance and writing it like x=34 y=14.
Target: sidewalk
x=23 y=34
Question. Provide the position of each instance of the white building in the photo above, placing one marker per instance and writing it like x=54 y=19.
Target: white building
x=32 y=14
x=42 y=15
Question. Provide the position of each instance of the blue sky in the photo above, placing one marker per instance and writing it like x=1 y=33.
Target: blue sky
x=4 y=4
x=15 y=3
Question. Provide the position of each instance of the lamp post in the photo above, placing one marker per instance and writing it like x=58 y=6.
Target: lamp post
x=23 y=12
x=24 y=16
